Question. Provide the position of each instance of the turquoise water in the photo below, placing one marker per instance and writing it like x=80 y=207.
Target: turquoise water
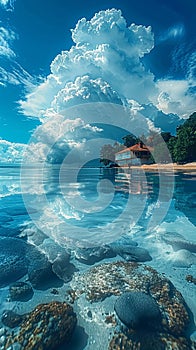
x=92 y=207
x=177 y=190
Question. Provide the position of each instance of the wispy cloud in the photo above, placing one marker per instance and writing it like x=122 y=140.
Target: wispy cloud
x=7 y=4
x=184 y=59
x=11 y=72
x=16 y=75
x=174 y=32
x=7 y=36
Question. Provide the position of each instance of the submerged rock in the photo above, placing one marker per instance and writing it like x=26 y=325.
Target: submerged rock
x=114 y=279
x=64 y=270
x=182 y=258
x=54 y=251
x=90 y=256
x=137 y=310
x=132 y=253
x=39 y=270
x=13 y=261
x=21 y=291
x=124 y=240
x=59 y=258
x=35 y=236
x=46 y=327
x=17 y=258
x=129 y=250
x=11 y=319
x=178 y=242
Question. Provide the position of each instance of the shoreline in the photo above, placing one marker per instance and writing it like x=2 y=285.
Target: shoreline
x=168 y=167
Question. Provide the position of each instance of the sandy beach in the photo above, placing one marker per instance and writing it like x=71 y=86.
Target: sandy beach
x=169 y=167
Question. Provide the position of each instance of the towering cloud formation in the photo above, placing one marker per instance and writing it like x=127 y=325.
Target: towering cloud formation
x=105 y=61
x=105 y=65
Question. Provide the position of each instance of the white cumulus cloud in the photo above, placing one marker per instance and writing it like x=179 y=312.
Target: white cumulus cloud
x=84 y=89
x=105 y=49
x=11 y=152
x=174 y=97
x=104 y=65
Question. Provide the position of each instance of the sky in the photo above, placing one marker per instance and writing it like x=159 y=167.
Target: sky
x=37 y=79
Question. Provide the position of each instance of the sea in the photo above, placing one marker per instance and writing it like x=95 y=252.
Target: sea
x=92 y=207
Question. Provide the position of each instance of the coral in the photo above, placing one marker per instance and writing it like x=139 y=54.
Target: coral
x=46 y=327
x=119 y=277
x=121 y=342
x=152 y=341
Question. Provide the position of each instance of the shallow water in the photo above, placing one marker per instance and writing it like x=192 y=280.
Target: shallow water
x=93 y=206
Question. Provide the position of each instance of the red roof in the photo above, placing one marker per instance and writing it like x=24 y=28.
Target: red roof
x=139 y=147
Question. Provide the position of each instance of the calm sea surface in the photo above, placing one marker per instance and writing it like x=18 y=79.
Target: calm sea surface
x=93 y=197
x=93 y=206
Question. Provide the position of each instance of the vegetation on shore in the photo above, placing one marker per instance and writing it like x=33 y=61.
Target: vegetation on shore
x=181 y=147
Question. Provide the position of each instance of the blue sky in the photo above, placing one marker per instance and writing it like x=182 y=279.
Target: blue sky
x=33 y=33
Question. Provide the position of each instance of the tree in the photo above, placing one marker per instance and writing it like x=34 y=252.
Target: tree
x=171 y=146
x=182 y=147
x=185 y=146
x=166 y=136
x=130 y=140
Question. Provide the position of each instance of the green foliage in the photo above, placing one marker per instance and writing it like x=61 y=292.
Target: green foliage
x=182 y=147
x=185 y=146
x=171 y=146
x=166 y=136
x=130 y=140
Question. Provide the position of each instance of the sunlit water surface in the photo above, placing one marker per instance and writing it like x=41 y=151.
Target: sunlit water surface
x=97 y=206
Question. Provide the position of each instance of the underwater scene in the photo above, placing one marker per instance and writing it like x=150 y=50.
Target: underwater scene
x=113 y=268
